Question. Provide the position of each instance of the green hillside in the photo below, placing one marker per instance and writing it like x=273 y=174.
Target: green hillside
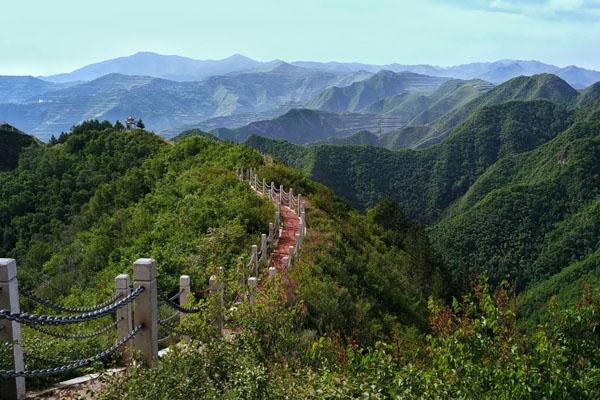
x=365 y=311
x=77 y=213
x=452 y=113
x=363 y=93
x=12 y=144
x=426 y=182
x=511 y=193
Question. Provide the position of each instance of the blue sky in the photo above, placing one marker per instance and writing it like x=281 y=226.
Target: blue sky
x=45 y=37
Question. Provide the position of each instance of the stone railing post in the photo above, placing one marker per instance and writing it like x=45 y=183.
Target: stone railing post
x=291 y=199
x=10 y=331
x=263 y=247
x=303 y=222
x=277 y=219
x=124 y=315
x=254 y=259
x=252 y=284
x=146 y=310
x=256 y=181
x=271 y=230
x=215 y=288
x=272 y=191
x=298 y=205
x=286 y=261
x=280 y=194
x=264 y=189
x=185 y=287
x=272 y=271
x=298 y=241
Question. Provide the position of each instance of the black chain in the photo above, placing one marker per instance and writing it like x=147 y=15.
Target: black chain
x=48 y=303
x=169 y=318
x=163 y=339
x=79 y=335
x=31 y=319
x=176 y=295
x=186 y=310
x=74 y=365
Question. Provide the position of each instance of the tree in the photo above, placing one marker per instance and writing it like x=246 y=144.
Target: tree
x=140 y=124
x=52 y=141
x=119 y=126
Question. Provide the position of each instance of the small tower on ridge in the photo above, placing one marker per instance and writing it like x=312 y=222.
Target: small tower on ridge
x=130 y=122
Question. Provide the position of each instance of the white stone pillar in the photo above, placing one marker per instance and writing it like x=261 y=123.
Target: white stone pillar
x=272 y=271
x=252 y=284
x=146 y=310
x=298 y=205
x=185 y=288
x=286 y=261
x=298 y=242
x=263 y=247
x=254 y=259
x=10 y=331
x=291 y=199
x=280 y=194
x=124 y=315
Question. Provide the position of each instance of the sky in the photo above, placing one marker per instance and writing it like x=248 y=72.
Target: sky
x=46 y=37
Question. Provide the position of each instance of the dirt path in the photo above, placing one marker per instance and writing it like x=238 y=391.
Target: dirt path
x=291 y=226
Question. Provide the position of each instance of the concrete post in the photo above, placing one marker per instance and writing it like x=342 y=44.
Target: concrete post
x=255 y=181
x=254 y=259
x=252 y=284
x=272 y=271
x=286 y=261
x=292 y=251
x=215 y=288
x=264 y=189
x=298 y=241
x=185 y=288
x=124 y=315
x=303 y=222
x=263 y=247
x=298 y=205
x=272 y=196
x=277 y=219
x=291 y=199
x=10 y=331
x=271 y=230
x=146 y=309
x=280 y=194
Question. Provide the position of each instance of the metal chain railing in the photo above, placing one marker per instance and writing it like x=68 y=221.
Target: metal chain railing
x=86 y=335
x=186 y=310
x=48 y=303
x=73 y=365
x=32 y=319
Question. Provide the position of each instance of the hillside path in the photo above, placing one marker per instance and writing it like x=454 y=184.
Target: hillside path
x=291 y=226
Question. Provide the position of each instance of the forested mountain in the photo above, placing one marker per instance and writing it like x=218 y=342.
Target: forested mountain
x=360 y=94
x=511 y=192
x=12 y=143
x=537 y=87
x=302 y=126
x=367 y=301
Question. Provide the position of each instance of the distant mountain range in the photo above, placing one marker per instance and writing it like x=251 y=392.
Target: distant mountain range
x=179 y=68
x=47 y=109
x=409 y=119
x=173 y=94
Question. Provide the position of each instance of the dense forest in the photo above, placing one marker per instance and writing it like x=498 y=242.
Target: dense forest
x=512 y=192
